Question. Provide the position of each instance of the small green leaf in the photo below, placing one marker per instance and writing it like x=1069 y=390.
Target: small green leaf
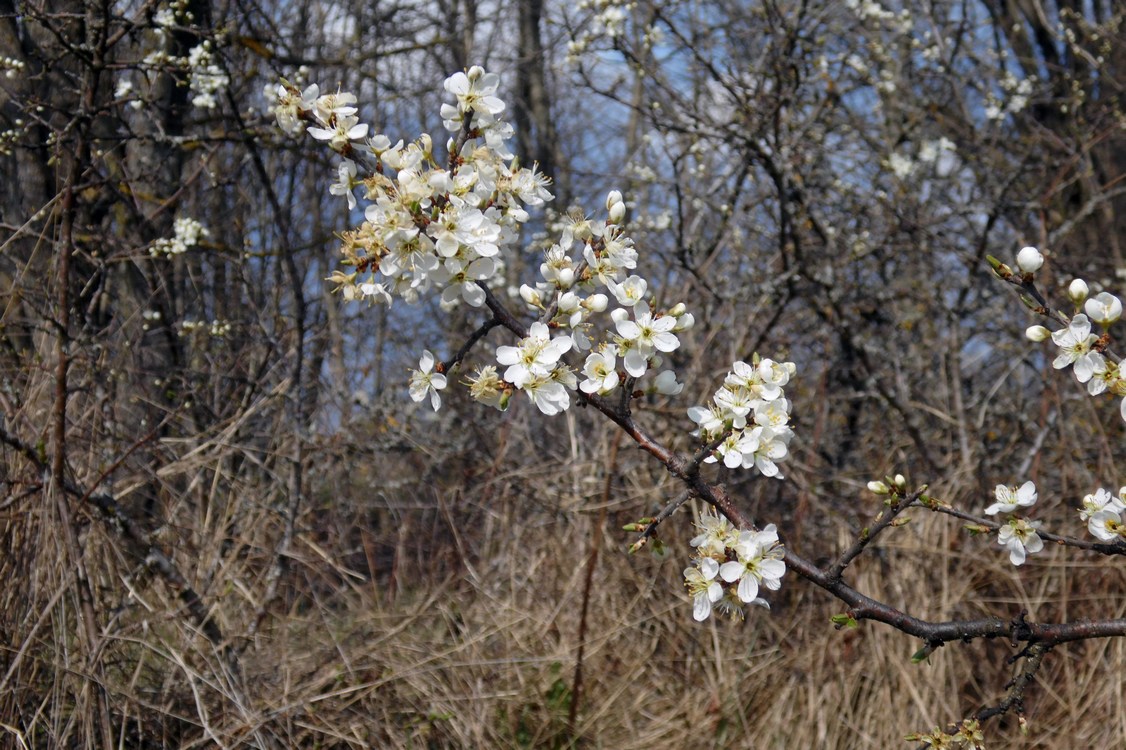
x=922 y=654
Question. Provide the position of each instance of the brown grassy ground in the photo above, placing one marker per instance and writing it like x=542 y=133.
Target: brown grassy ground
x=434 y=599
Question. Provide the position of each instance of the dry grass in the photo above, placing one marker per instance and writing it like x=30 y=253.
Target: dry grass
x=445 y=613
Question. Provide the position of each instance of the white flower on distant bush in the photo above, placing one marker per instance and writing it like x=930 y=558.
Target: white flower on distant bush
x=1029 y=259
x=1019 y=537
x=1011 y=498
x=206 y=77
x=1104 y=308
x=943 y=153
x=901 y=166
x=186 y=234
x=425 y=381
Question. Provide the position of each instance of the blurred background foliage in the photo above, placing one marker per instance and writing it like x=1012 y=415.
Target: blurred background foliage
x=223 y=523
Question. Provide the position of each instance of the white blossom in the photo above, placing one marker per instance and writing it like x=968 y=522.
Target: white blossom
x=425 y=381
x=1019 y=537
x=1011 y=498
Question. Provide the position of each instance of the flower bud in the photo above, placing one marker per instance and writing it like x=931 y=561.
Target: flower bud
x=617 y=213
x=569 y=302
x=614 y=197
x=878 y=487
x=900 y=481
x=531 y=295
x=1029 y=259
x=1037 y=333
x=596 y=302
x=1104 y=308
x=999 y=268
x=665 y=383
x=1077 y=291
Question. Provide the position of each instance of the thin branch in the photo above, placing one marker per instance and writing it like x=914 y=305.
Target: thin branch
x=897 y=503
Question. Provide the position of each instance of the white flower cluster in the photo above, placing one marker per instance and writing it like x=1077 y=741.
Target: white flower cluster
x=749 y=417
x=730 y=566
x=1019 y=92
x=216 y=328
x=205 y=77
x=11 y=66
x=1079 y=347
x=941 y=153
x=427 y=225
x=869 y=9
x=430 y=226
x=186 y=233
x=176 y=14
x=607 y=21
x=164 y=18
x=446 y=227
x=9 y=138
x=1017 y=535
x=1103 y=513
